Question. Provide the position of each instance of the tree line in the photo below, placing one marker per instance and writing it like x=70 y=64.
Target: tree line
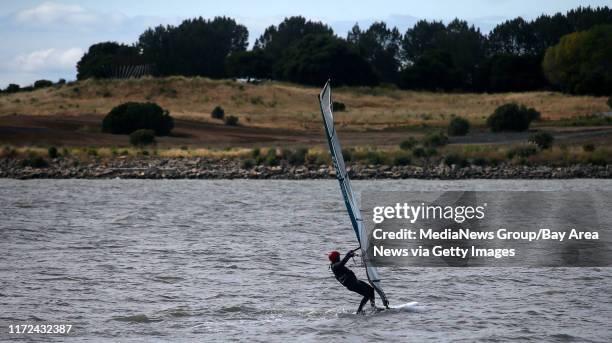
x=430 y=55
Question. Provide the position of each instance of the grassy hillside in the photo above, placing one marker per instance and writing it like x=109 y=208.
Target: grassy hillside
x=286 y=106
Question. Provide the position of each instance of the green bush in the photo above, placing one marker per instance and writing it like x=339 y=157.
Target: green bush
x=479 y=161
x=543 y=140
x=297 y=157
x=512 y=117
x=52 y=152
x=131 y=116
x=401 y=160
x=419 y=152
x=375 y=158
x=348 y=155
x=588 y=147
x=455 y=159
x=248 y=163
x=522 y=151
x=217 y=113
x=408 y=144
x=435 y=139
x=338 y=106
x=255 y=152
x=271 y=158
x=34 y=162
x=142 y=137
x=231 y=121
x=458 y=127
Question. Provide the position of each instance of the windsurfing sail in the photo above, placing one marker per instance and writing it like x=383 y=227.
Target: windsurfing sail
x=345 y=185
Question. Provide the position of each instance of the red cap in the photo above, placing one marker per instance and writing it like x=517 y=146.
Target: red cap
x=333 y=256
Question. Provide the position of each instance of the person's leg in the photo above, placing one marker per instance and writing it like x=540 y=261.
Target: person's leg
x=363 y=301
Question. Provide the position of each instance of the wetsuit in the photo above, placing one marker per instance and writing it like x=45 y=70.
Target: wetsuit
x=348 y=279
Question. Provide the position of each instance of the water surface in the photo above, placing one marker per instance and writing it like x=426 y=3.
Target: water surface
x=143 y=260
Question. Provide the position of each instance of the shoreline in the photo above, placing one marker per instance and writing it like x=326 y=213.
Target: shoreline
x=206 y=168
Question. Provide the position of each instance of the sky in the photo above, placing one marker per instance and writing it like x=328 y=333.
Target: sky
x=45 y=39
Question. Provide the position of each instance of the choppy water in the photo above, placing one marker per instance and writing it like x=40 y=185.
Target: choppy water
x=131 y=260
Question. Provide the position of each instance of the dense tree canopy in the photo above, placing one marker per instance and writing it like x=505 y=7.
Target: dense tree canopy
x=195 y=47
x=98 y=60
x=430 y=55
x=582 y=62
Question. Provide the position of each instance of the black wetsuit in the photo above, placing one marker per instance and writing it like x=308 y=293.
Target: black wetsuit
x=348 y=279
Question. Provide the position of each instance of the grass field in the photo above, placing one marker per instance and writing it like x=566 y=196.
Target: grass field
x=287 y=106
x=276 y=115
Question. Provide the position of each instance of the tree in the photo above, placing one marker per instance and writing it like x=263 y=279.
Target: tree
x=12 y=88
x=253 y=63
x=195 y=47
x=276 y=39
x=42 y=83
x=131 y=116
x=380 y=46
x=581 y=62
x=512 y=73
x=458 y=127
x=463 y=44
x=512 y=37
x=433 y=71
x=100 y=57
x=512 y=117
x=316 y=58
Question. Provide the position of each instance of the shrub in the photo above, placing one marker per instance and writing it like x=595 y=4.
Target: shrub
x=131 y=116
x=479 y=161
x=348 y=155
x=231 y=121
x=610 y=102
x=35 y=162
x=8 y=152
x=522 y=151
x=408 y=144
x=61 y=81
x=255 y=152
x=419 y=152
x=543 y=140
x=217 y=113
x=375 y=158
x=458 y=127
x=248 y=163
x=401 y=160
x=142 y=137
x=271 y=158
x=435 y=139
x=297 y=157
x=455 y=159
x=52 y=152
x=512 y=117
x=338 y=106
x=92 y=152
x=42 y=83
x=588 y=147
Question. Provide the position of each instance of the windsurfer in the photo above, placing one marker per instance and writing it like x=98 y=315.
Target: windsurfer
x=348 y=279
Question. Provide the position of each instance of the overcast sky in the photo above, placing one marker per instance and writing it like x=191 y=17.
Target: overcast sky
x=45 y=39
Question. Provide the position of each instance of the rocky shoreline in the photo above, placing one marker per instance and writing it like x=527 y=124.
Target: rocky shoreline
x=150 y=167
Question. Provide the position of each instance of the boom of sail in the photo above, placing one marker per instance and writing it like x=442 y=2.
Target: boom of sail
x=345 y=186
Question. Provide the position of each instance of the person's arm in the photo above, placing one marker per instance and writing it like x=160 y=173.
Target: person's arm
x=347 y=257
